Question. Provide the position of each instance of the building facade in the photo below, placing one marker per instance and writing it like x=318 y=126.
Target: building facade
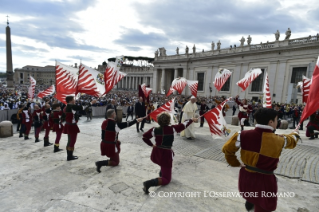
x=43 y=75
x=284 y=60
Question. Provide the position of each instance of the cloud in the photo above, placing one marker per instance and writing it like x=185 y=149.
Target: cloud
x=133 y=48
x=135 y=37
x=203 y=21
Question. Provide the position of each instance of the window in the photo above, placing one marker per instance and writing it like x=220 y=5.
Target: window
x=296 y=75
x=226 y=86
x=200 y=78
x=257 y=84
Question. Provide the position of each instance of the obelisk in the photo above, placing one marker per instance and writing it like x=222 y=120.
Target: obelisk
x=9 y=57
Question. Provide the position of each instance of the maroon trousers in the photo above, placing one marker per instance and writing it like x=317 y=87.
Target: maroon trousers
x=27 y=128
x=115 y=160
x=47 y=132
x=166 y=175
x=37 y=131
x=71 y=141
x=58 y=137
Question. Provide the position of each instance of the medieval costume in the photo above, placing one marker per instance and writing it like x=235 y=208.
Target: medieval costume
x=19 y=118
x=71 y=128
x=244 y=111
x=225 y=108
x=260 y=152
x=162 y=154
x=37 y=118
x=110 y=145
x=313 y=125
x=47 y=125
x=26 y=121
x=150 y=108
x=58 y=128
x=88 y=112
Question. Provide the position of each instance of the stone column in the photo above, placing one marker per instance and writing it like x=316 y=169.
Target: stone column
x=151 y=83
x=154 y=83
x=234 y=77
x=208 y=81
x=126 y=82
x=272 y=72
x=163 y=80
x=282 y=81
x=185 y=76
x=175 y=73
x=133 y=83
x=129 y=82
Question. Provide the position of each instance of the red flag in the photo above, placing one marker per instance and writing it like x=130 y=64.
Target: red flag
x=312 y=101
x=146 y=90
x=267 y=97
x=221 y=77
x=168 y=107
x=31 y=88
x=66 y=80
x=170 y=91
x=47 y=92
x=250 y=76
x=112 y=74
x=305 y=88
x=216 y=121
x=193 y=85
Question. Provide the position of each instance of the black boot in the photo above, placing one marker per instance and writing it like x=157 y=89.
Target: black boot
x=70 y=156
x=316 y=135
x=20 y=135
x=26 y=137
x=99 y=164
x=37 y=140
x=46 y=142
x=312 y=136
x=242 y=128
x=201 y=124
x=160 y=173
x=249 y=206
x=148 y=184
x=56 y=149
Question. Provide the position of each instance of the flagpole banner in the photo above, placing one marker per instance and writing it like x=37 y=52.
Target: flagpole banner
x=221 y=77
x=168 y=107
x=267 y=97
x=90 y=81
x=306 y=82
x=250 y=76
x=47 y=92
x=216 y=122
x=178 y=85
x=66 y=79
x=312 y=99
x=146 y=90
x=31 y=89
x=112 y=74
x=193 y=86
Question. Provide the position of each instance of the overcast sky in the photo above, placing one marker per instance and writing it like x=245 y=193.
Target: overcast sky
x=43 y=31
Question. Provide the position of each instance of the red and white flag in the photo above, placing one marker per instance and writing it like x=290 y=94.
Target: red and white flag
x=179 y=85
x=306 y=82
x=66 y=80
x=90 y=81
x=216 y=121
x=47 y=92
x=170 y=91
x=221 y=77
x=267 y=96
x=112 y=74
x=31 y=88
x=250 y=76
x=312 y=101
x=168 y=107
x=193 y=85
x=146 y=90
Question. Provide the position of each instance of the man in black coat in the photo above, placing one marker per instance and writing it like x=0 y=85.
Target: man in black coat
x=129 y=111
x=112 y=105
x=140 y=112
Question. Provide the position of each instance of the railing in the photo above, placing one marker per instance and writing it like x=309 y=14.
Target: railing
x=309 y=39
x=262 y=46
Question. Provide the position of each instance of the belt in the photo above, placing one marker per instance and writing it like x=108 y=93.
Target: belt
x=108 y=142
x=258 y=170
x=70 y=123
x=164 y=147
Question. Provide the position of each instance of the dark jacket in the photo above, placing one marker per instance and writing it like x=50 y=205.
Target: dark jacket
x=111 y=106
x=130 y=109
x=140 y=109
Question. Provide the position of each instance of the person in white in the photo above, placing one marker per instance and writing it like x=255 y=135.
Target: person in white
x=189 y=113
